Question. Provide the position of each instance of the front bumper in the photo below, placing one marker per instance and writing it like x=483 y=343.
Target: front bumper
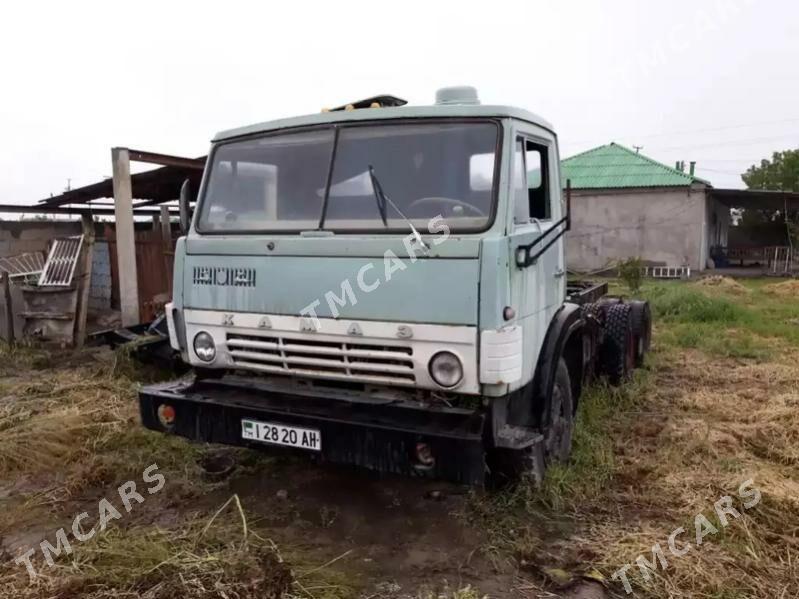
x=377 y=435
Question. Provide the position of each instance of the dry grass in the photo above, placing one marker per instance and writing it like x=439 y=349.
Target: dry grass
x=59 y=421
x=722 y=424
x=707 y=414
x=709 y=424
x=70 y=432
x=725 y=284
x=717 y=404
x=218 y=558
x=784 y=289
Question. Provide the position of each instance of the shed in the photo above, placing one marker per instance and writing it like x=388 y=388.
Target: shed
x=625 y=204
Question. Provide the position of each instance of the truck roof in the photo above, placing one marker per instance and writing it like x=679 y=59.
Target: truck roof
x=396 y=112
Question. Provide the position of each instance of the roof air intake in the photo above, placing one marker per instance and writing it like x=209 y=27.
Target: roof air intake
x=462 y=94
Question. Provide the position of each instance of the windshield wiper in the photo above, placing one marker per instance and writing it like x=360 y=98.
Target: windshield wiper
x=381 y=197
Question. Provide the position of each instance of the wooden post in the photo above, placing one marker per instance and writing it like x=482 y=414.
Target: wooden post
x=126 y=241
x=166 y=226
x=9 y=311
x=156 y=222
x=84 y=280
x=166 y=246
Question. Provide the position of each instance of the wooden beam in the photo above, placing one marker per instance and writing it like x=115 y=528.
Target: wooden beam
x=89 y=209
x=9 y=312
x=166 y=159
x=84 y=280
x=126 y=242
x=166 y=227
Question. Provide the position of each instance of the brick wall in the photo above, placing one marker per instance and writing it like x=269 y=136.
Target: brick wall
x=100 y=292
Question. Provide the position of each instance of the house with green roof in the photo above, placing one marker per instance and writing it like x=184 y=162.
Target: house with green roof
x=625 y=205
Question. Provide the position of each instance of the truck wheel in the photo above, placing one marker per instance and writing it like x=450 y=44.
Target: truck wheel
x=617 y=352
x=642 y=330
x=559 y=425
x=553 y=447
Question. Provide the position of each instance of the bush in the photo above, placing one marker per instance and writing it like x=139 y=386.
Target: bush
x=631 y=273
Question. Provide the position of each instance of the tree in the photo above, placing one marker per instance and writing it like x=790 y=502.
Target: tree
x=781 y=173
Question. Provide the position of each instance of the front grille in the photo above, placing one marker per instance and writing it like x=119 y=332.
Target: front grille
x=352 y=361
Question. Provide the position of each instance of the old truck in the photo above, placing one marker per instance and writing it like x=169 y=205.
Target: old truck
x=384 y=285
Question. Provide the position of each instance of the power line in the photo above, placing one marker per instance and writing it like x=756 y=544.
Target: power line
x=693 y=131
x=730 y=159
x=713 y=170
x=738 y=142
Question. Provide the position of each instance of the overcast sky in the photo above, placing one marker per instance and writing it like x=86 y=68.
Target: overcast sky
x=715 y=81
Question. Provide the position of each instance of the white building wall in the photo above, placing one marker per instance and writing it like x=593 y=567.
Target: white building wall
x=663 y=227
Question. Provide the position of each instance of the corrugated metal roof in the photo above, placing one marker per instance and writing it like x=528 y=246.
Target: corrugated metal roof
x=614 y=166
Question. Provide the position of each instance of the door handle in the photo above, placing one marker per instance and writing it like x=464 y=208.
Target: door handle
x=559 y=273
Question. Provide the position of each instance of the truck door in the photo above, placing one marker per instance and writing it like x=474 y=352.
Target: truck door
x=538 y=289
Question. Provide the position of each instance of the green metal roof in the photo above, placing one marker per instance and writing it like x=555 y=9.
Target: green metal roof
x=614 y=166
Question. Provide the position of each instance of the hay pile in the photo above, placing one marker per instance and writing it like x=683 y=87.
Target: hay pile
x=784 y=289
x=57 y=416
x=725 y=284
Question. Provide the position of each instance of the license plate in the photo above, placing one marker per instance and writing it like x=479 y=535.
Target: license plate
x=281 y=434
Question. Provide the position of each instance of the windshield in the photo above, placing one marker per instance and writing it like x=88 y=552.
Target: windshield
x=284 y=182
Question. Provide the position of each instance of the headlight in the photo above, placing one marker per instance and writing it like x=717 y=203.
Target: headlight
x=446 y=369
x=204 y=347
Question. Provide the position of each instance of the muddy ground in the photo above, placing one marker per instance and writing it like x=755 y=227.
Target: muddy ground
x=717 y=404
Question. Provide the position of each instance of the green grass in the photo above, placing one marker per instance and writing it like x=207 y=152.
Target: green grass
x=680 y=303
x=592 y=464
x=750 y=326
x=521 y=520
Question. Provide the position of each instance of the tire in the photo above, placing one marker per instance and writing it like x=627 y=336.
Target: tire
x=507 y=466
x=558 y=426
x=642 y=330
x=617 y=352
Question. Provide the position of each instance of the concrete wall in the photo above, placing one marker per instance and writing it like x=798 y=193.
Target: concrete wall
x=664 y=227
x=18 y=237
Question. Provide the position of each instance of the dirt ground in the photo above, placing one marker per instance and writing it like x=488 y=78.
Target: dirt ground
x=716 y=405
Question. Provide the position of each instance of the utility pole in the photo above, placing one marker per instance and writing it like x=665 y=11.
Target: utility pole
x=638 y=149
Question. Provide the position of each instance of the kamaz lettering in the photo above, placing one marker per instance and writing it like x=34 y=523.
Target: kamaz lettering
x=224 y=275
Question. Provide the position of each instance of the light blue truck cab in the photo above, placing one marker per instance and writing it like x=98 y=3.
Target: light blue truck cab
x=384 y=285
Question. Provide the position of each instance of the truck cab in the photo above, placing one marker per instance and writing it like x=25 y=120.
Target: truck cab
x=382 y=285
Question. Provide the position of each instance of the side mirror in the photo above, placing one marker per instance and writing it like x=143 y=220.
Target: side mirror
x=568 y=204
x=185 y=210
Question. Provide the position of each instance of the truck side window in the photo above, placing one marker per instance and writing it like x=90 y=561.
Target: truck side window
x=521 y=203
x=537 y=180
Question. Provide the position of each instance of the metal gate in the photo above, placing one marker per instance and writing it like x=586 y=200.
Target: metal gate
x=154 y=261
